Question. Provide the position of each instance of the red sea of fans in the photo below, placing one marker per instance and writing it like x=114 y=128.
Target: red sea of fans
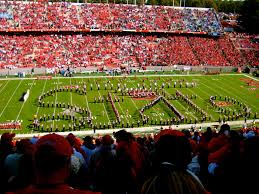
x=91 y=49
x=16 y=15
x=134 y=50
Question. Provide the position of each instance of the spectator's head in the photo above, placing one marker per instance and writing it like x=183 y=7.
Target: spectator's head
x=98 y=142
x=107 y=140
x=173 y=152
x=173 y=147
x=123 y=135
x=88 y=142
x=71 y=138
x=7 y=138
x=52 y=159
x=224 y=129
x=171 y=180
x=24 y=146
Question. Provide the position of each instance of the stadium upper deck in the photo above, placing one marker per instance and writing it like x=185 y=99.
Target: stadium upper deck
x=64 y=16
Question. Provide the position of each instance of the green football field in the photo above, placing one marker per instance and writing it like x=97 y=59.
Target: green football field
x=67 y=108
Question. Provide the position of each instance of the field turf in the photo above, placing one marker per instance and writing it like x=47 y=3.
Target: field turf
x=232 y=86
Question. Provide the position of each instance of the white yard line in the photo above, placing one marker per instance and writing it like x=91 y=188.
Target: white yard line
x=4 y=86
x=200 y=97
x=251 y=77
x=102 y=103
x=233 y=88
x=55 y=107
x=164 y=75
x=41 y=95
x=227 y=92
x=122 y=111
x=86 y=101
x=213 y=118
x=183 y=107
x=131 y=99
x=71 y=99
x=147 y=100
x=10 y=99
x=133 y=102
x=23 y=103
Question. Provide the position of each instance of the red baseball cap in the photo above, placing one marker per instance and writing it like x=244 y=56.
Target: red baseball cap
x=172 y=132
x=107 y=140
x=60 y=145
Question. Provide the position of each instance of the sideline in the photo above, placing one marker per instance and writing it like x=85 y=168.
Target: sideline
x=104 y=76
x=251 y=77
x=136 y=130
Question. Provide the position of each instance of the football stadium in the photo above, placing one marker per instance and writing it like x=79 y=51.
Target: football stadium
x=128 y=97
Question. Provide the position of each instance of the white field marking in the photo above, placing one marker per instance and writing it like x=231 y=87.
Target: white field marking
x=195 y=94
x=235 y=88
x=10 y=98
x=244 y=88
x=71 y=100
x=102 y=103
x=4 y=86
x=55 y=107
x=147 y=102
x=251 y=77
x=184 y=107
x=86 y=101
x=131 y=99
x=226 y=91
x=164 y=75
x=199 y=96
x=155 y=129
x=23 y=104
x=208 y=98
x=41 y=94
x=122 y=110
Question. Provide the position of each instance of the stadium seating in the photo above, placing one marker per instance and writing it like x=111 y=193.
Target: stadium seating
x=114 y=50
x=64 y=16
x=35 y=48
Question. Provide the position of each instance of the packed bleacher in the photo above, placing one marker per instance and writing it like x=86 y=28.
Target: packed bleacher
x=86 y=50
x=63 y=16
x=214 y=161
x=248 y=45
x=36 y=34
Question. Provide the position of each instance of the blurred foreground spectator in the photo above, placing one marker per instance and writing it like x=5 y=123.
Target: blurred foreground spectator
x=52 y=161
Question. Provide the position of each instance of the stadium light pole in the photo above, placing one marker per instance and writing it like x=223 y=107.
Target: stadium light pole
x=180 y=3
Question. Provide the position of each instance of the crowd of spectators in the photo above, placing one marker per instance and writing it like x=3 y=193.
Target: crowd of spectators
x=248 y=45
x=82 y=50
x=198 y=161
x=17 y=15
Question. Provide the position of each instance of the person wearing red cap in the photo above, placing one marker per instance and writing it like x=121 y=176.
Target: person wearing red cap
x=52 y=167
